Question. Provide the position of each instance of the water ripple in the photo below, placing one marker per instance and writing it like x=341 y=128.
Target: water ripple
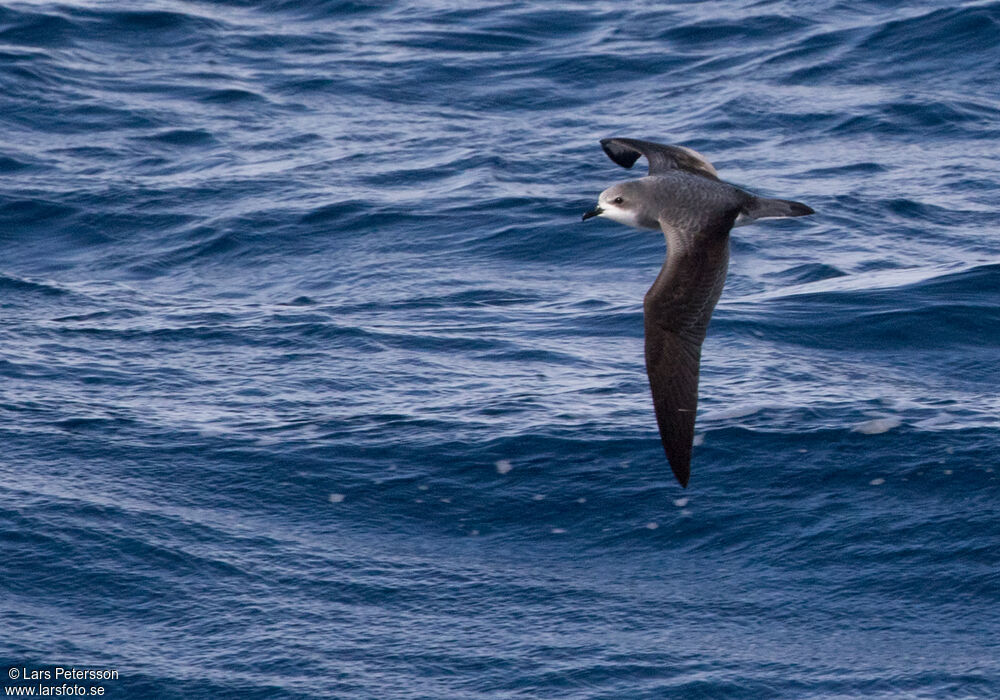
x=301 y=331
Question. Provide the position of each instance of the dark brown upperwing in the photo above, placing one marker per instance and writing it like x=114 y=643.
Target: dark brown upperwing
x=661 y=157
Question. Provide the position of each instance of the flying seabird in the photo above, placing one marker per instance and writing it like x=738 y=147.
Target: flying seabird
x=683 y=196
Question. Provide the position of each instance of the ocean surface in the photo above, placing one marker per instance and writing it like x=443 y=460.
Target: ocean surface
x=314 y=385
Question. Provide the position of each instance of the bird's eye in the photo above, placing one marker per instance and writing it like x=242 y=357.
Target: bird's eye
x=617 y=200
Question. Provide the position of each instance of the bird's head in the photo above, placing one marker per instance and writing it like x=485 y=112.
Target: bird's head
x=623 y=203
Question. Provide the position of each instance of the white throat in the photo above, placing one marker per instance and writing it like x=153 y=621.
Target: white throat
x=620 y=215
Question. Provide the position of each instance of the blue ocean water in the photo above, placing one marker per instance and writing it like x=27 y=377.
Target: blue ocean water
x=313 y=384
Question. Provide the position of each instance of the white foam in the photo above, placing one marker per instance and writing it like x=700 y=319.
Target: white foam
x=652 y=526
x=699 y=440
x=681 y=502
x=337 y=498
x=876 y=426
x=877 y=482
x=735 y=412
x=558 y=531
x=504 y=466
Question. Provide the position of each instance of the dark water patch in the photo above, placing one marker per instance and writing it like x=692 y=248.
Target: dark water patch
x=531 y=97
x=305 y=43
x=83 y=118
x=951 y=28
x=290 y=143
x=935 y=43
x=103 y=315
x=475 y=42
x=12 y=165
x=849 y=169
x=17 y=215
x=982 y=279
x=150 y=28
x=308 y=86
x=8 y=56
x=210 y=250
x=714 y=33
x=911 y=211
x=391 y=229
x=337 y=211
x=813 y=54
x=337 y=335
x=13 y=285
x=165 y=333
x=916 y=211
x=612 y=323
x=22 y=27
x=471 y=298
x=24 y=80
x=955 y=310
x=232 y=96
x=521 y=355
x=90 y=154
x=614 y=68
x=945 y=325
x=808 y=272
x=160 y=20
x=540 y=22
x=877 y=265
x=96 y=229
x=94 y=424
x=182 y=137
x=910 y=118
x=318 y=9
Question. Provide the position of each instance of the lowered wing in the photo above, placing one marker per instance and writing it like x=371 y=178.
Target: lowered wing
x=676 y=312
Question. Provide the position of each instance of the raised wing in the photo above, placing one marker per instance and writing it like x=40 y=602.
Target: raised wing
x=625 y=152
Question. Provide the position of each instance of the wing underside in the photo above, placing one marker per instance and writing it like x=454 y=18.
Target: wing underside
x=677 y=310
x=672 y=364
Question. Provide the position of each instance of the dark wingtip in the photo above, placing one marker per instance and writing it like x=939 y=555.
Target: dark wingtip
x=619 y=153
x=682 y=473
x=800 y=209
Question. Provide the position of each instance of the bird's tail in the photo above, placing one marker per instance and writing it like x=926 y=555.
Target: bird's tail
x=763 y=208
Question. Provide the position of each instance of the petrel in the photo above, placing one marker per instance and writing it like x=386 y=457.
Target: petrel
x=683 y=196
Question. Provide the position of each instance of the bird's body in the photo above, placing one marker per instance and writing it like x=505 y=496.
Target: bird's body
x=683 y=197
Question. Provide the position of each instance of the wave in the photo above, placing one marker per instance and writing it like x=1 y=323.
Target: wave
x=10 y=286
x=954 y=309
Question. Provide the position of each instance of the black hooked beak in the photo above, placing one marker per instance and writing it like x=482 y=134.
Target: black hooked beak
x=596 y=211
